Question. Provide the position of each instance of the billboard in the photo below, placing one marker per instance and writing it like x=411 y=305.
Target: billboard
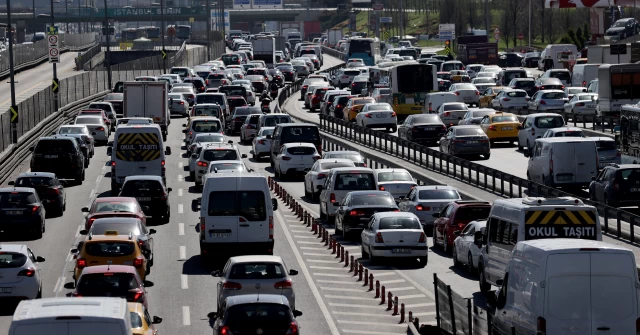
x=266 y=4
x=241 y=4
x=587 y=3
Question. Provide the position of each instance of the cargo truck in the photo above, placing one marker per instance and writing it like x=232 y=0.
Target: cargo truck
x=476 y=49
x=148 y=99
x=264 y=49
x=333 y=36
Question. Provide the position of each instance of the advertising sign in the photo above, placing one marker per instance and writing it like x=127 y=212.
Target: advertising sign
x=446 y=31
x=266 y=4
x=241 y=4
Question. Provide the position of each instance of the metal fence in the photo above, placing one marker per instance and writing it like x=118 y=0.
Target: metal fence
x=458 y=315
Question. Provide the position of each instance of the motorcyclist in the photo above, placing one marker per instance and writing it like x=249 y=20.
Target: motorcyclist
x=265 y=103
x=274 y=89
x=264 y=95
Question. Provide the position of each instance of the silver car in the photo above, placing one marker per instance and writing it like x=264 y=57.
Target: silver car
x=178 y=104
x=301 y=67
x=547 y=101
x=318 y=173
x=467 y=93
x=398 y=182
x=582 y=103
x=452 y=112
x=607 y=151
x=195 y=154
x=261 y=144
x=84 y=131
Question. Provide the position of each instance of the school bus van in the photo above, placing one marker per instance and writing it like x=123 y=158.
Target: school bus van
x=525 y=219
x=137 y=150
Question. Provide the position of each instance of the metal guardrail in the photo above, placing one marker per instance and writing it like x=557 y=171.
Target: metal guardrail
x=334 y=53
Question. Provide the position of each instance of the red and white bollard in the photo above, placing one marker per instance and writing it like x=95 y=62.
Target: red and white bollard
x=395 y=305
x=382 y=296
x=402 y=313
x=389 y=301
x=378 y=289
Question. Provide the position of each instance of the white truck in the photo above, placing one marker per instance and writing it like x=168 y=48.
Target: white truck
x=148 y=99
x=333 y=36
x=291 y=33
x=264 y=49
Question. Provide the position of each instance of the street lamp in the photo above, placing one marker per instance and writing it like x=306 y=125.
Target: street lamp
x=162 y=30
x=14 y=127
x=108 y=54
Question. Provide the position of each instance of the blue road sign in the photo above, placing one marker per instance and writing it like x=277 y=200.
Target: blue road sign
x=52 y=30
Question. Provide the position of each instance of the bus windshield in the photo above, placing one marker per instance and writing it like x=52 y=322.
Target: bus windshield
x=415 y=78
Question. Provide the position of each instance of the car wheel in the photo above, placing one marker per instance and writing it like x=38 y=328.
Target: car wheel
x=345 y=235
x=423 y=261
x=482 y=281
x=456 y=262
x=192 y=174
x=254 y=156
x=37 y=233
x=445 y=243
x=487 y=156
x=306 y=193
x=470 y=266
x=337 y=231
x=433 y=237
x=394 y=129
x=323 y=217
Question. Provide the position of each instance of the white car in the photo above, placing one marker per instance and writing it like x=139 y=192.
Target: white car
x=464 y=251
x=398 y=182
x=510 y=99
x=248 y=128
x=378 y=115
x=20 y=272
x=394 y=235
x=319 y=172
x=251 y=94
x=133 y=120
x=215 y=152
x=483 y=83
x=261 y=145
x=474 y=69
x=344 y=78
x=424 y=201
x=452 y=112
x=255 y=274
x=467 y=93
x=353 y=156
x=535 y=125
x=487 y=74
x=570 y=91
x=224 y=167
x=564 y=132
x=582 y=104
x=84 y=131
x=96 y=126
x=200 y=138
x=295 y=158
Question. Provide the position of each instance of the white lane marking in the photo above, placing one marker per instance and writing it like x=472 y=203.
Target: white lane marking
x=424 y=314
x=298 y=231
x=70 y=257
x=179 y=177
x=330 y=275
x=338 y=282
x=341 y=289
x=323 y=308
x=180 y=228
x=355 y=305
x=180 y=208
x=321 y=261
x=55 y=288
x=304 y=236
x=78 y=231
x=179 y=192
x=342 y=297
x=384 y=274
x=312 y=248
x=412 y=296
x=387 y=282
x=183 y=253
x=317 y=254
x=351 y=247
x=93 y=192
x=398 y=289
x=429 y=304
x=414 y=283
x=186 y=316
x=184 y=282
x=308 y=242
x=328 y=268
x=180 y=165
x=402 y=325
x=98 y=179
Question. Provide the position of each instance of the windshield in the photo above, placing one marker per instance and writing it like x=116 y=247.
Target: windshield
x=399 y=223
x=469 y=132
x=394 y=176
x=355 y=181
x=438 y=194
x=209 y=138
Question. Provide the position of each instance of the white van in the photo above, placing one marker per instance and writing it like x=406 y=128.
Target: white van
x=432 y=101
x=137 y=150
x=338 y=183
x=72 y=316
x=563 y=161
x=557 y=52
x=522 y=219
x=236 y=215
x=566 y=286
x=583 y=74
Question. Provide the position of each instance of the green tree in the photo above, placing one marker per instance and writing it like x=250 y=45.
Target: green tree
x=565 y=40
x=585 y=32
x=572 y=37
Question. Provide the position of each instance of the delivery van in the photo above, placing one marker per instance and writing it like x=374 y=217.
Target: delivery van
x=563 y=162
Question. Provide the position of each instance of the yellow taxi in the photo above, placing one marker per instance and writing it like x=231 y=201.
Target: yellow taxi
x=487 y=96
x=110 y=248
x=501 y=127
x=354 y=106
x=459 y=76
x=141 y=321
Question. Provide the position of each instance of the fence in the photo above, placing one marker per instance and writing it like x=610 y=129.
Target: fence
x=458 y=315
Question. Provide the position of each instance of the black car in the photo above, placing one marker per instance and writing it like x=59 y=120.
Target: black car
x=289 y=72
x=617 y=185
x=21 y=211
x=151 y=193
x=548 y=84
x=60 y=155
x=255 y=314
x=49 y=189
x=197 y=82
x=358 y=85
x=444 y=85
x=624 y=28
x=278 y=76
x=116 y=99
x=337 y=107
x=531 y=59
x=526 y=84
x=239 y=116
x=358 y=206
x=422 y=128
x=79 y=138
x=510 y=59
x=125 y=226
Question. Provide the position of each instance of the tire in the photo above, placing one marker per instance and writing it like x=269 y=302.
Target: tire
x=445 y=244
x=204 y=259
x=331 y=219
x=423 y=261
x=470 y=268
x=454 y=255
x=520 y=148
x=487 y=156
x=83 y=175
x=323 y=217
x=78 y=180
x=167 y=217
x=192 y=175
x=337 y=231
x=482 y=281
x=164 y=136
x=394 y=129
x=255 y=157
x=364 y=253
x=37 y=233
x=306 y=193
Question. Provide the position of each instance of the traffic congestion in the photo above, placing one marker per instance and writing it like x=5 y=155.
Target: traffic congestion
x=172 y=215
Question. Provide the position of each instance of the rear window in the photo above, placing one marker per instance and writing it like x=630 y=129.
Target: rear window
x=354 y=181
x=606 y=145
x=108 y=284
x=352 y=73
x=372 y=200
x=12 y=260
x=455 y=107
x=180 y=72
x=516 y=94
x=380 y=108
x=136 y=320
x=115 y=206
x=569 y=133
x=231 y=91
x=465 y=87
x=505 y=118
x=633 y=174
x=227 y=167
x=273 y=121
x=394 y=176
x=242 y=112
x=72 y=130
x=469 y=132
x=220 y=155
x=577 y=90
x=206 y=126
x=53 y=146
x=14 y=199
x=206 y=111
x=114 y=96
x=586 y=97
x=122 y=228
x=385 y=91
x=34 y=181
x=553 y=95
x=217 y=76
x=525 y=83
x=362 y=101
x=109 y=249
x=332 y=165
x=239 y=315
x=254 y=119
x=307 y=134
x=134 y=187
x=210 y=99
x=301 y=151
x=426 y=119
x=249 y=204
x=88 y=120
x=237 y=102
x=473 y=213
x=438 y=194
x=229 y=59
x=547 y=122
x=562 y=75
x=399 y=223
x=257 y=271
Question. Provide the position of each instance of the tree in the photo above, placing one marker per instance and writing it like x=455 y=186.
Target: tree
x=580 y=39
x=585 y=33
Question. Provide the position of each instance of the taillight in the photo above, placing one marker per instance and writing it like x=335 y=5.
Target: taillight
x=206 y=82
x=423 y=208
x=381 y=188
x=56 y=190
x=316 y=157
x=580 y=104
x=81 y=263
x=137 y=263
x=542 y=87
x=379 y=238
x=271 y=228
x=182 y=102
x=225 y=330
x=34 y=209
x=27 y=272
x=423 y=238
x=562 y=87
x=584 y=83
x=322 y=175
x=164 y=197
x=203 y=164
x=492 y=128
x=541 y=325
x=356 y=213
x=446 y=114
x=285 y=158
x=283 y=284
x=263 y=142
x=202 y=222
x=293 y=328
x=542 y=102
x=332 y=197
x=229 y=285
x=100 y=128
x=477 y=93
x=506 y=99
x=367 y=115
x=90 y=222
x=457 y=93
x=338 y=106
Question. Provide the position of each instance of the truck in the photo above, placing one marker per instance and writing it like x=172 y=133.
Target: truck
x=148 y=99
x=281 y=43
x=476 y=49
x=333 y=36
x=264 y=48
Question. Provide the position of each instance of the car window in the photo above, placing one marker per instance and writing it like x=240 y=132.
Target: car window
x=123 y=228
x=372 y=200
x=257 y=271
x=300 y=134
x=12 y=260
x=107 y=284
x=202 y=126
x=354 y=181
x=15 y=199
x=505 y=118
x=399 y=223
x=472 y=213
x=249 y=204
x=301 y=150
x=468 y=132
x=256 y=313
x=136 y=320
x=114 y=206
x=132 y=188
x=55 y=146
x=438 y=194
x=109 y=249
x=394 y=176
x=218 y=155
x=548 y=122
x=34 y=182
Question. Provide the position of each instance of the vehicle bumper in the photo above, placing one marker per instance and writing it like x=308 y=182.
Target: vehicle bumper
x=239 y=248
x=504 y=136
x=100 y=136
x=551 y=109
x=292 y=170
x=182 y=111
x=61 y=174
x=155 y=210
x=26 y=288
x=261 y=150
x=200 y=174
x=192 y=165
x=480 y=150
x=381 y=124
x=514 y=105
x=249 y=134
x=387 y=251
x=584 y=111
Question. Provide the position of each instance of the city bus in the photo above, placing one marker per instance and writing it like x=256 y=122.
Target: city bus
x=409 y=83
x=183 y=32
x=366 y=48
x=152 y=33
x=128 y=34
x=618 y=84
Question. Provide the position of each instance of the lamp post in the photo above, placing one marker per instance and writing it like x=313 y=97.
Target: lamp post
x=14 y=127
x=162 y=30
x=108 y=58
x=55 y=74
x=208 y=11
x=79 y=20
x=66 y=15
x=530 y=25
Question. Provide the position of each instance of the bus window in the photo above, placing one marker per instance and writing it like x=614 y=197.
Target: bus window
x=416 y=78
x=625 y=86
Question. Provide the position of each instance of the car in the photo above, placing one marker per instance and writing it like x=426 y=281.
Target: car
x=319 y=172
x=359 y=84
x=354 y=156
x=488 y=74
x=60 y=155
x=238 y=117
x=294 y=133
x=623 y=28
x=451 y=112
x=21 y=273
x=308 y=97
x=178 y=104
x=500 y=127
x=126 y=225
x=381 y=94
x=278 y=77
x=608 y=152
x=354 y=106
x=378 y=115
x=582 y=104
x=248 y=128
x=197 y=82
x=356 y=209
x=425 y=201
x=422 y=128
x=289 y=72
x=344 y=77
x=454 y=217
x=108 y=207
x=510 y=59
x=616 y=185
x=116 y=100
x=570 y=163
x=200 y=138
x=564 y=75
x=201 y=125
x=564 y=132
x=294 y=159
x=250 y=94
x=571 y=91
x=141 y=321
x=107 y=107
x=465 y=140
x=263 y=274
x=548 y=84
x=80 y=130
x=111 y=280
x=49 y=188
x=530 y=59
x=315 y=100
x=214 y=152
x=488 y=95
x=101 y=113
x=337 y=107
x=261 y=144
x=188 y=92
x=535 y=125
x=80 y=141
x=398 y=182
x=459 y=76
x=183 y=71
x=466 y=93
x=483 y=83
x=328 y=98
x=547 y=100
x=239 y=315
x=394 y=235
x=109 y=249
x=223 y=166
x=475 y=116
x=152 y=195
x=511 y=99
x=99 y=130
x=301 y=67
x=338 y=183
x=465 y=252
x=219 y=99
x=217 y=79
x=212 y=110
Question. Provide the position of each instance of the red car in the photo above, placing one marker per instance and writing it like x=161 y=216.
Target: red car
x=454 y=217
x=121 y=281
x=113 y=207
x=236 y=101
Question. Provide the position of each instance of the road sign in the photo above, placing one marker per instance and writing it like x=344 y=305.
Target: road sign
x=497 y=37
x=52 y=39
x=618 y=49
x=520 y=36
x=385 y=35
x=192 y=20
x=446 y=31
x=164 y=54
x=14 y=114
x=377 y=6
x=55 y=85
x=386 y=19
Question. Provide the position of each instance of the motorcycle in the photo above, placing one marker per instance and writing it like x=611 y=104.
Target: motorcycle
x=274 y=94
x=264 y=106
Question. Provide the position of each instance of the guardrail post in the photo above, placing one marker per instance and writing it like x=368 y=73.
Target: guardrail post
x=631 y=224
x=451 y=310
x=371 y=282
x=435 y=292
x=469 y=318
x=377 y=289
x=382 y=296
x=351 y=264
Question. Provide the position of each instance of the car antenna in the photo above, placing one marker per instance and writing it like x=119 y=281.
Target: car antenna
x=108 y=265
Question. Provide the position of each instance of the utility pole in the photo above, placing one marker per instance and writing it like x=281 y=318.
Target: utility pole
x=14 y=108
x=108 y=54
x=530 y=25
x=162 y=31
x=79 y=20
x=55 y=73
x=401 y=21
x=66 y=15
x=208 y=11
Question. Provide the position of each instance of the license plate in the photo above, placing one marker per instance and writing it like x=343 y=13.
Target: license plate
x=435 y=209
x=14 y=212
x=380 y=115
x=144 y=199
x=564 y=178
x=634 y=189
x=430 y=128
x=5 y=290
x=591 y=106
x=51 y=156
x=401 y=251
x=219 y=235
x=507 y=128
x=472 y=142
x=467 y=98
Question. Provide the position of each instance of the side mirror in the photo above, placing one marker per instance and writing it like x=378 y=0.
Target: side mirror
x=85 y=209
x=296 y=313
x=320 y=187
x=477 y=239
x=492 y=299
x=184 y=125
x=109 y=151
x=216 y=273
x=84 y=232
x=593 y=178
x=157 y=320
x=243 y=156
x=70 y=286
x=184 y=131
x=436 y=215
x=169 y=189
x=293 y=272
x=194 y=156
x=167 y=151
x=195 y=205
x=520 y=127
x=73 y=251
x=212 y=315
x=40 y=259
x=457 y=233
x=152 y=231
x=269 y=137
x=274 y=203
x=12 y=182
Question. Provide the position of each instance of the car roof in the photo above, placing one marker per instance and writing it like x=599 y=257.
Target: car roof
x=348 y=152
x=257 y=298
x=122 y=220
x=349 y=169
x=435 y=187
x=108 y=268
x=299 y=144
x=551 y=91
x=37 y=174
x=143 y=177
x=9 y=247
x=18 y=189
x=255 y=258
x=395 y=214
x=565 y=128
x=115 y=199
x=469 y=126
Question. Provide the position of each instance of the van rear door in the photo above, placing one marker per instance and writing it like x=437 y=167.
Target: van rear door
x=586 y=161
x=221 y=217
x=254 y=216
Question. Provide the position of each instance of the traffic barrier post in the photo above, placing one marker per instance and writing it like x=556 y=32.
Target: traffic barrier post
x=410 y=314
x=333 y=245
x=382 y=296
x=338 y=250
x=366 y=277
x=314 y=227
x=346 y=258
x=371 y=282
x=377 y=289
x=402 y=313
x=352 y=264
x=342 y=251
x=309 y=219
x=389 y=301
x=326 y=237
x=359 y=271
x=355 y=268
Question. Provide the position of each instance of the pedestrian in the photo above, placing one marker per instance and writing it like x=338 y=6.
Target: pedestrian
x=548 y=64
